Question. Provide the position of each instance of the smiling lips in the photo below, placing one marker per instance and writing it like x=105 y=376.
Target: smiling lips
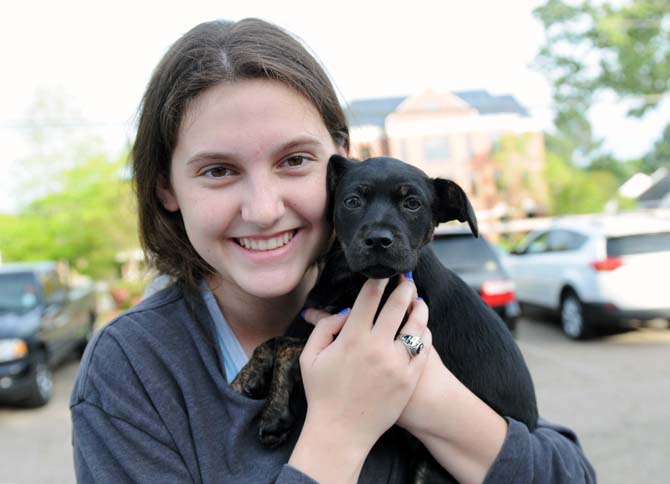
x=264 y=244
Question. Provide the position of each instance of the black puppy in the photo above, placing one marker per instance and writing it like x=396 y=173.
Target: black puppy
x=384 y=212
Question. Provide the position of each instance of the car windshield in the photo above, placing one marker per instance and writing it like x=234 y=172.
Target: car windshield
x=638 y=244
x=464 y=253
x=18 y=292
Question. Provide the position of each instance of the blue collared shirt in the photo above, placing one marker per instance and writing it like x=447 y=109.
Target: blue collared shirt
x=232 y=353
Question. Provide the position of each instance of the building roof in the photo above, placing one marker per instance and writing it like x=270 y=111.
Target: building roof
x=374 y=111
x=659 y=189
x=485 y=103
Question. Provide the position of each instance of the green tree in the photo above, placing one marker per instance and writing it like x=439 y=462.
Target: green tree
x=574 y=190
x=519 y=172
x=660 y=154
x=87 y=221
x=595 y=49
x=75 y=203
x=52 y=130
x=621 y=169
x=621 y=47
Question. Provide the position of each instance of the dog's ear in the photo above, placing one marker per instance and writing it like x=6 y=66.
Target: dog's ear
x=337 y=165
x=451 y=203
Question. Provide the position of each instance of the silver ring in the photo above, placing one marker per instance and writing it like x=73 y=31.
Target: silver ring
x=413 y=344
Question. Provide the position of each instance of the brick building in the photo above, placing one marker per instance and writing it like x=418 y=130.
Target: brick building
x=487 y=144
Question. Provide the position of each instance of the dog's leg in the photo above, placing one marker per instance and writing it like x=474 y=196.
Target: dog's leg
x=254 y=378
x=277 y=418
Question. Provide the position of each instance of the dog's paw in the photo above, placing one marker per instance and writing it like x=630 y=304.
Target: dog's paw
x=273 y=430
x=254 y=385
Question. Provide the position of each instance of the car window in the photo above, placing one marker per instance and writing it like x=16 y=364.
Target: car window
x=638 y=244
x=18 y=292
x=562 y=240
x=538 y=245
x=464 y=253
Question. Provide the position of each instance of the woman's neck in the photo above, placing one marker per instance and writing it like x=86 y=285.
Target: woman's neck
x=253 y=319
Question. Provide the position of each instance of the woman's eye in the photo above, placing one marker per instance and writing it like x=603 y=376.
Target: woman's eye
x=412 y=203
x=296 y=160
x=218 y=172
x=352 y=202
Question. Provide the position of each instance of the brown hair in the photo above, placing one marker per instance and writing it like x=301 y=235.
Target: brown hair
x=211 y=53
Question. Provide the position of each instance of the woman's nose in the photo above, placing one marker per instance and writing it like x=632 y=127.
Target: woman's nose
x=263 y=204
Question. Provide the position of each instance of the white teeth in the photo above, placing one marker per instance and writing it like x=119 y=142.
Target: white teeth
x=266 y=244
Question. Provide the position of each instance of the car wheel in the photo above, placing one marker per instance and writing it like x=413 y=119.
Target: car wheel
x=41 y=383
x=572 y=317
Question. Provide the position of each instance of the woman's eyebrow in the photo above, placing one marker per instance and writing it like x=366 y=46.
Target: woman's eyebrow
x=302 y=141
x=210 y=156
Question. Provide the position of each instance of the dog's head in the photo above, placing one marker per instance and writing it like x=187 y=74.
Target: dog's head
x=384 y=212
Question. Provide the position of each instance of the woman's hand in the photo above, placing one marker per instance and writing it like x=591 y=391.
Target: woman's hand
x=359 y=383
x=459 y=430
x=434 y=385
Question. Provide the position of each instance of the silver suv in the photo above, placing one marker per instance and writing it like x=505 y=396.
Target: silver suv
x=596 y=270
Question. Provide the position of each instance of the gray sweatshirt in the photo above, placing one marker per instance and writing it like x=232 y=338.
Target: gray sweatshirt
x=151 y=404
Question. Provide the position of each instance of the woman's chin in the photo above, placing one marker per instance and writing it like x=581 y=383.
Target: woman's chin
x=271 y=287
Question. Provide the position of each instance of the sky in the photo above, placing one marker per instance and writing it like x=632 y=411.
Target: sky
x=96 y=58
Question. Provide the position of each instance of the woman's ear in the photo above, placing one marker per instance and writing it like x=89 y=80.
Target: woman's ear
x=166 y=195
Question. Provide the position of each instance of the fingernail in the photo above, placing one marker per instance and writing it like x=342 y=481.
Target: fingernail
x=408 y=275
x=344 y=311
x=302 y=313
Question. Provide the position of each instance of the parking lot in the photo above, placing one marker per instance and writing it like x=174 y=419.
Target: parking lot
x=614 y=391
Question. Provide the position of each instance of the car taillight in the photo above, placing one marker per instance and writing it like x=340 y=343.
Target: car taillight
x=608 y=264
x=498 y=292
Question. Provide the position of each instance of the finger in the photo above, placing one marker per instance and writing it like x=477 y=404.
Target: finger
x=313 y=316
x=419 y=360
x=416 y=325
x=323 y=335
x=403 y=351
x=392 y=314
x=365 y=307
x=417 y=320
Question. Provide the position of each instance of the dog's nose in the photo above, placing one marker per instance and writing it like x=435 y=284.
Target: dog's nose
x=379 y=239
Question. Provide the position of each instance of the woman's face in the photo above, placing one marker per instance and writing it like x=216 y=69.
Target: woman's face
x=249 y=177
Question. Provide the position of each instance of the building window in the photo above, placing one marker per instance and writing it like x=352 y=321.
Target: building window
x=436 y=148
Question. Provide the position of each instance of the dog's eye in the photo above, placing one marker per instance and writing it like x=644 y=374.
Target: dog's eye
x=412 y=203
x=352 y=202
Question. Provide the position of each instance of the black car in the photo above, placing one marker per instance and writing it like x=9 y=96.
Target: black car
x=479 y=264
x=42 y=321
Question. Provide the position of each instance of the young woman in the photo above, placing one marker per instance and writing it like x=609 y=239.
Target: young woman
x=236 y=128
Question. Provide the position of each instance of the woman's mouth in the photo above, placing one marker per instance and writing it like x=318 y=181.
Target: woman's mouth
x=266 y=243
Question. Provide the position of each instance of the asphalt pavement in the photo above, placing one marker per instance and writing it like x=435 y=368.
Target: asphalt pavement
x=614 y=392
